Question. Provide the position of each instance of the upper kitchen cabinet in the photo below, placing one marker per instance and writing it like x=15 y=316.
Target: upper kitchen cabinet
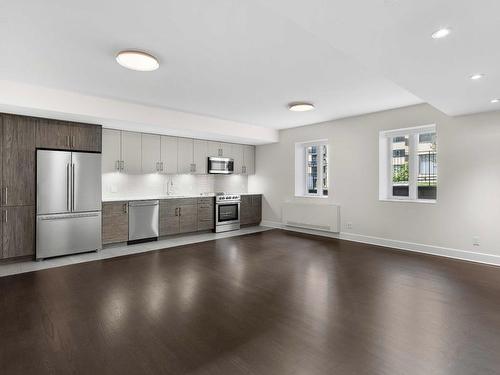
x=169 y=149
x=248 y=159
x=219 y=149
x=135 y=153
x=111 y=150
x=18 y=160
x=63 y=135
x=185 y=156
x=200 y=157
x=53 y=134
x=85 y=137
x=131 y=152
x=151 y=153
x=237 y=155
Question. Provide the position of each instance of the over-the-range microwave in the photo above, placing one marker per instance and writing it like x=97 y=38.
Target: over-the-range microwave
x=217 y=165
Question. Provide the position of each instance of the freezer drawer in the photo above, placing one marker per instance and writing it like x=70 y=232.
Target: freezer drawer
x=64 y=234
x=143 y=219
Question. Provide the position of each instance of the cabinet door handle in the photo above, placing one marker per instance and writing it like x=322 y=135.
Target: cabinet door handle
x=125 y=208
x=122 y=165
x=117 y=165
x=162 y=166
x=157 y=167
x=6 y=196
x=176 y=214
x=180 y=211
x=67 y=141
x=5 y=217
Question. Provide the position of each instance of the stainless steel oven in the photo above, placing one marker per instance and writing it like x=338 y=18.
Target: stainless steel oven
x=220 y=165
x=227 y=212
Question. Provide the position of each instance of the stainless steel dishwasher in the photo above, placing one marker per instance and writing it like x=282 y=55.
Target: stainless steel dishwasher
x=143 y=221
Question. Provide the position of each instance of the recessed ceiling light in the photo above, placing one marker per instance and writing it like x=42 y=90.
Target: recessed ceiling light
x=496 y=100
x=477 y=76
x=441 y=33
x=300 y=107
x=137 y=60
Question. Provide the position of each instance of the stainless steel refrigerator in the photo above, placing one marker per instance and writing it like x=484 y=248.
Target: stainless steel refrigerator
x=68 y=203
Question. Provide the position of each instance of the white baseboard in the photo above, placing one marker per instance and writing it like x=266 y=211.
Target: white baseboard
x=396 y=244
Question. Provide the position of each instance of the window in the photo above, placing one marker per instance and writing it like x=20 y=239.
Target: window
x=311 y=169
x=408 y=164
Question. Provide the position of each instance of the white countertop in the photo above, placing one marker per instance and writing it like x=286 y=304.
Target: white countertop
x=122 y=198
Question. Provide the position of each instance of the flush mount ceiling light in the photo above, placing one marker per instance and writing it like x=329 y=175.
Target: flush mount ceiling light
x=300 y=107
x=137 y=60
x=441 y=33
x=477 y=76
x=496 y=100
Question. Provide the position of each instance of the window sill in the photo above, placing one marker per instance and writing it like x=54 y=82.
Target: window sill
x=425 y=201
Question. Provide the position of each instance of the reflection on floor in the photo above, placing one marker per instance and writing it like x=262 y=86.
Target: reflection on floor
x=120 y=250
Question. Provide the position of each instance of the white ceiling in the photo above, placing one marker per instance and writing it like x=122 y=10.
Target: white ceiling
x=244 y=61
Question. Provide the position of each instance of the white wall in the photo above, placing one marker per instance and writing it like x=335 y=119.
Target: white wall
x=115 y=185
x=468 y=202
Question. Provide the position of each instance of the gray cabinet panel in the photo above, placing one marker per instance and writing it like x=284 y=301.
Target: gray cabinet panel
x=18 y=160
x=18 y=231
x=114 y=222
x=131 y=152
x=86 y=137
x=169 y=219
x=188 y=215
x=251 y=209
x=151 y=153
x=111 y=150
x=53 y=134
x=206 y=214
x=185 y=155
x=169 y=148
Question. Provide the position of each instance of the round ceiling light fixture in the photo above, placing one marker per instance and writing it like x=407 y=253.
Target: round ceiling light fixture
x=137 y=60
x=301 y=107
x=441 y=33
x=477 y=76
x=495 y=101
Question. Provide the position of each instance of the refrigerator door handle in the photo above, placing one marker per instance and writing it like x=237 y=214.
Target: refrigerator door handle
x=67 y=187
x=72 y=187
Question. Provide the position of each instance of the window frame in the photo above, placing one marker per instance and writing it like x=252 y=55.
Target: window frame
x=301 y=189
x=385 y=168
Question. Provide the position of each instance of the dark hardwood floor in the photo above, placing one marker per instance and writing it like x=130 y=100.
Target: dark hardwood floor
x=267 y=303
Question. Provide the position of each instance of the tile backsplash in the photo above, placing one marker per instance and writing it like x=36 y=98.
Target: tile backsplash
x=119 y=184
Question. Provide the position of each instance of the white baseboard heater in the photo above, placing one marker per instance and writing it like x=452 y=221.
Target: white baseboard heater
x=325 y=217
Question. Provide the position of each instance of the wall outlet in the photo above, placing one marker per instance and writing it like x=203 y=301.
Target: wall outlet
x=476 y=241
x=348 y=225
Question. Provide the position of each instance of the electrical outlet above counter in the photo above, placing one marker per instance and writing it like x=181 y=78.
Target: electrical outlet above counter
x=142 y=153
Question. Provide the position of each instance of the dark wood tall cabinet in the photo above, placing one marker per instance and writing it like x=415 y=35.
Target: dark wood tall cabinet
x=19 y=138
x=18 y=161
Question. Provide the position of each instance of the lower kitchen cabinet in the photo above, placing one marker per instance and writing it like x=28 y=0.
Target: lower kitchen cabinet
x=114 y=222
x=169 y=219
x=188 y=215
x=251 y=209
x=182 y=215
x=18 y=231
x=206 y=213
